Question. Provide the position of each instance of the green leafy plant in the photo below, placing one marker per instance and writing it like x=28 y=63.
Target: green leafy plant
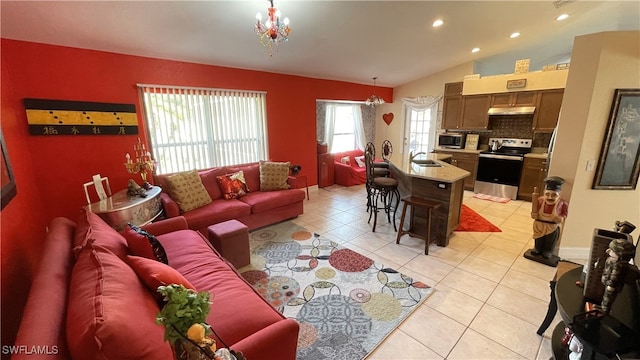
x=184 y=307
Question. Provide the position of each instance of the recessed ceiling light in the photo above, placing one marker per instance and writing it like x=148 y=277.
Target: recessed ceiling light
x=475 y=50
x=514 y=35
x=562 y=17
x=437 y=23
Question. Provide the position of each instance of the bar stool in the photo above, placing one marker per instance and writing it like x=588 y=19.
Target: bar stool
x=416 y=202
x=380 y=169
x=385 y=188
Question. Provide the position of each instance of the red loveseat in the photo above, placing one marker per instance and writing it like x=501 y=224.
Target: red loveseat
x=351 y=173
x=255 y=209
x=90 y=302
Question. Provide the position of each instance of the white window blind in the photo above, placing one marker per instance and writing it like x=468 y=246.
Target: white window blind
x=195 y=128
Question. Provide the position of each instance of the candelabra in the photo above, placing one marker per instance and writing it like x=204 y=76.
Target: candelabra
x=142 y=163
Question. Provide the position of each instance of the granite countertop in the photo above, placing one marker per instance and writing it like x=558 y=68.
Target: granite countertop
x=443 y=173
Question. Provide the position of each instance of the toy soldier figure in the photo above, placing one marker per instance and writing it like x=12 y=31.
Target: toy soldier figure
x=548 y=212
x=620 y=252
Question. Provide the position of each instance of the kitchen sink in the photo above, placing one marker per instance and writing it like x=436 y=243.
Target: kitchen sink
x=426 y=163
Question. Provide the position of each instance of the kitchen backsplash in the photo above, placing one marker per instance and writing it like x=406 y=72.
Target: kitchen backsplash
x=514 y=126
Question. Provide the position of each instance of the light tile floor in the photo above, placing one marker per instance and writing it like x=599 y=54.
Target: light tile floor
x=488 y=300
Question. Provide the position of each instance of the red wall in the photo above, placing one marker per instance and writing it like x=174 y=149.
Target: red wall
x=50 y=170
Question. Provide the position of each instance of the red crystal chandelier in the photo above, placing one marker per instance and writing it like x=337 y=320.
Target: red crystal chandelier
x=274 y=31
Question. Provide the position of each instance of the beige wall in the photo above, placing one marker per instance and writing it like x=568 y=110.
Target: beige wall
x=432 y=85
x=600 y=63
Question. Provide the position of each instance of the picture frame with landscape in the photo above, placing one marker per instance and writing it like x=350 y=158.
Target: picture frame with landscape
x=619 y=162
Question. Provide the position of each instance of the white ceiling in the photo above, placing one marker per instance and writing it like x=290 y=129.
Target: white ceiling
x=339 y=40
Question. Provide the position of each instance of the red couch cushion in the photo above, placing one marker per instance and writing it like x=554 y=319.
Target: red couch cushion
x=218 y=211
x=268 y=200
x=91 y=226
x=251 y=175
x=111 y=314
x=210 y=183
x=237 y=311
x=154 y=273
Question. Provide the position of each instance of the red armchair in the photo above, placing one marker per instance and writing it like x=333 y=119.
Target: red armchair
x=350 y=173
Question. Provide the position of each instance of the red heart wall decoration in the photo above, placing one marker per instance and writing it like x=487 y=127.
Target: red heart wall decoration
x=388 y=118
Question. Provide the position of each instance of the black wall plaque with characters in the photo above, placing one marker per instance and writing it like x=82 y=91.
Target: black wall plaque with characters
x=61 y=117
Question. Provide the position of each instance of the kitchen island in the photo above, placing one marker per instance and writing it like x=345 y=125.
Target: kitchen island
x=431 y=177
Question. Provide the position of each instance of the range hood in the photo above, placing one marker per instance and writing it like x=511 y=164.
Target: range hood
x=520 y=110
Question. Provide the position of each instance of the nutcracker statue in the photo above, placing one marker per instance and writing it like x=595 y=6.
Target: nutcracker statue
x=548 y=212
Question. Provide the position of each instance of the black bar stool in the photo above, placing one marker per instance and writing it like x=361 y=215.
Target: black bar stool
x=380 y=188
x=416 y=202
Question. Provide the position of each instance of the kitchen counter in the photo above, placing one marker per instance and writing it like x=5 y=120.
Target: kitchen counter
x=443 y=173
x=442 y=183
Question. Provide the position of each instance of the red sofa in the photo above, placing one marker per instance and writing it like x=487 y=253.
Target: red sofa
x=255 y=209
x=351 y=173
x=87 y=302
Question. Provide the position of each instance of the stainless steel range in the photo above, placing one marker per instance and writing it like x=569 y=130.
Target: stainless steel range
x=500 y=167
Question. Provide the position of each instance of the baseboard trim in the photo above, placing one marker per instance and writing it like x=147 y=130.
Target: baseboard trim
x=574 y=253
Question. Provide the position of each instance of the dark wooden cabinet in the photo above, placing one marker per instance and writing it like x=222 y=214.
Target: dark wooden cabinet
x=452 y=105
x=465 y=161
x=520 y=98
x=534 y=171
x=547 y=112
x=475 y=112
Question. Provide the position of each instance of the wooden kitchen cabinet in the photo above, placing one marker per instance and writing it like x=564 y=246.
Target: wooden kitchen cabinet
x=452 y=105
x=475 y=112
x=534 y=171
x=547 y=112
x=520 y=98
x=466 y=161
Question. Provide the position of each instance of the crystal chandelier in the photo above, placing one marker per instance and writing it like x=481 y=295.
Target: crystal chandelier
x=274 y=31
x=374 y=100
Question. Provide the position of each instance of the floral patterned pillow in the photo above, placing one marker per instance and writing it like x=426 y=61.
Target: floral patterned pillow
x=233 y=186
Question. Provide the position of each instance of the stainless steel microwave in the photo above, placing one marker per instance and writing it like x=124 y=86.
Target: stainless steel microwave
x=451 y=140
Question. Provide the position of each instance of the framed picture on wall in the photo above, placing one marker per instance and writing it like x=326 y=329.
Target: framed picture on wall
x=619 y=161
x=6 y=176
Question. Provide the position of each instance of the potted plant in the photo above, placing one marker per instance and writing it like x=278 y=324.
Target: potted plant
x=183 y=317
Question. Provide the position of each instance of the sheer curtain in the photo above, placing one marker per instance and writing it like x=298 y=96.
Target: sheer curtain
x=358 y=128
x=344 y=129
x=329 y=125
x=420 y=122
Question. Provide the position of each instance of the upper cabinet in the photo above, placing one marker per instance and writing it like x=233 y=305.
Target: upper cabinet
x=470 y=112
x=520 y=98
x=475 y=112
x=452 y=105
x=548 y=106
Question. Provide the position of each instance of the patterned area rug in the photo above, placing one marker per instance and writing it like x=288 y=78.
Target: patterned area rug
x=345 y=303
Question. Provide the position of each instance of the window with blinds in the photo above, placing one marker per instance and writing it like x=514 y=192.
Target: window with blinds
x=195 y=128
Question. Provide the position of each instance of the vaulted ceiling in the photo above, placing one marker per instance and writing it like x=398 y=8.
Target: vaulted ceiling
x=339 y=40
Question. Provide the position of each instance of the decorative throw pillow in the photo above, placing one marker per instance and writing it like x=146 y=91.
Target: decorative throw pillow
x=154 y=274
x=187 y=190
x=274 y=175
x=344 y=160
x=360 y=160
x=141 y=243
x=233 y=186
